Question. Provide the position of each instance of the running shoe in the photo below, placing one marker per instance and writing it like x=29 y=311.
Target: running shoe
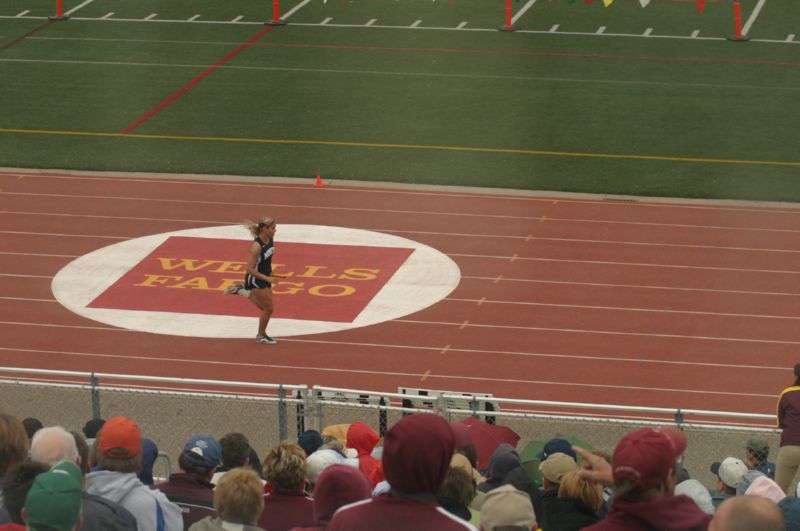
x=235 y=289
x=266 y=340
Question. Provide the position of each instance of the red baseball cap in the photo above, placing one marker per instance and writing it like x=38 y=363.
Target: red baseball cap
x=120 y=438
x=646 y=456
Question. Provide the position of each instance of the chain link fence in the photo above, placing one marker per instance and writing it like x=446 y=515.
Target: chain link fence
x=170 y=411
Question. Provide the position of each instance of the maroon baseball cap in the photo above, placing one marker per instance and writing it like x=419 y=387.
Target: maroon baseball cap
x=646 y=456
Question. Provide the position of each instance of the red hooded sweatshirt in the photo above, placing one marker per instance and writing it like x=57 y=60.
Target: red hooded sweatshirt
x=416 y=457
x=363 y=440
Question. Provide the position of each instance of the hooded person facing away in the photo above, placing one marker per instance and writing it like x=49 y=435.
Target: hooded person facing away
x=416 y=457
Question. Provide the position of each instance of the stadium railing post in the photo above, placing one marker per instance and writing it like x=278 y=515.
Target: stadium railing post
x=283 y=430
x=276 y=14
x=95 y=386
x=509 y=26
x=383 y=418
x=300 y=414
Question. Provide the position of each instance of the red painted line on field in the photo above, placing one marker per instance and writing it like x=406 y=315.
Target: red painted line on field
x=575 y=55
x=23 y=37
x=158 y=108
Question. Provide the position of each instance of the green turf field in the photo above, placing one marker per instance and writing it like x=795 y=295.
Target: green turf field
x=621 y=100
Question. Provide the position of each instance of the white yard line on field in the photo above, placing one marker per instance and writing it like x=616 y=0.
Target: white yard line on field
x=295 y=9
x=753 y=16
x=77 y=7
x=522 y=11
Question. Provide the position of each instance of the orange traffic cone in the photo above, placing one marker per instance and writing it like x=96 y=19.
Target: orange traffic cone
x=318 y=183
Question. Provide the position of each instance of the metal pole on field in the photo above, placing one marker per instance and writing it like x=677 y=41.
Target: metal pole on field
x=508 y=26
x=59 y=11
x=276 y=14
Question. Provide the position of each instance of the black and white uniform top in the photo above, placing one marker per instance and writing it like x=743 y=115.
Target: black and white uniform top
x=263 y=266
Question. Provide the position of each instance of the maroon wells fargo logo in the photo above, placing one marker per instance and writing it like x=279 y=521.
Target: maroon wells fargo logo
x=189 y=275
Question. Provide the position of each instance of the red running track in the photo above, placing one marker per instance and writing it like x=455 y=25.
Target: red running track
x=666 y=304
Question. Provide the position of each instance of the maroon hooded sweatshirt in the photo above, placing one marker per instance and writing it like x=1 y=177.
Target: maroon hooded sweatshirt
x=363 y=439
x=338 y=485
x=674 y=513
x=416 y=457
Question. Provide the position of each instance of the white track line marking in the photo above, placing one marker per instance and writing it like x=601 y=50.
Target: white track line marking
x=23 y=13
x=353 y=209
x=416 y=23
x=603 y=332
x=193 y=18
x=473 y=235
x=553 y=28
x=600 y=30
x=790 y=37
x=622 y=308
x=695 y=33
x=632 y=286
x=108 y=15
x=753 y=17
x=631 y=264
x=462 y=25
x=79 y=6
x=237 y=19
x=522 y=11
x=295 y=9
x=647 y=32
x=404 y=347
x=151 y=16
x=627 y=82
x=713 y=205
x=324 y=22
x=371 y=21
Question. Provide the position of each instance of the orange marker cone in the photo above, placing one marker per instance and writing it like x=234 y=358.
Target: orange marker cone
x=318 y=183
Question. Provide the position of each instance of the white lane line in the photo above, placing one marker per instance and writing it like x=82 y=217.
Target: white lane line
x=753 y=17
x=554 y=28
x=295 y=9
x=695 y=33
x=522 y=11
x=600 y=30
x=15 y=275
x=325 y=21
x=237 y=19
x=632 y=286
x=107 y=15
x=602 y=332
x=462 y=25
x=356 y=209
x=151 y=16
x=416 y=23
x=624 y=309
x=617 y=264
x=587 y=357
x=371 y=21
x=26 y=299
x=193 y=18
x=790 y=37
x=23 y=13
x=79 y=6
x=647 y=32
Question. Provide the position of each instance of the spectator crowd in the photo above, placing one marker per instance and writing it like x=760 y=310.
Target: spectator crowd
x=422 y=475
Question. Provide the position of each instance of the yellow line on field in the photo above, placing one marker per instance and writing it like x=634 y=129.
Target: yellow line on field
x=428 y=147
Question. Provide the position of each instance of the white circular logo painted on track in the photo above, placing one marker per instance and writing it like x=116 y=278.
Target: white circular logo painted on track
x=421 y=277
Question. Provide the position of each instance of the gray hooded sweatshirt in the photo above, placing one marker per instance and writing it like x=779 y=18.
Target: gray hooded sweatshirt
x=153 y=511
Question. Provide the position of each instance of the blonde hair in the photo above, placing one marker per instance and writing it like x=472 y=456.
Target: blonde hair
x=255 y=226
x=239 y=496
x=285 y=467
x=574 y=487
